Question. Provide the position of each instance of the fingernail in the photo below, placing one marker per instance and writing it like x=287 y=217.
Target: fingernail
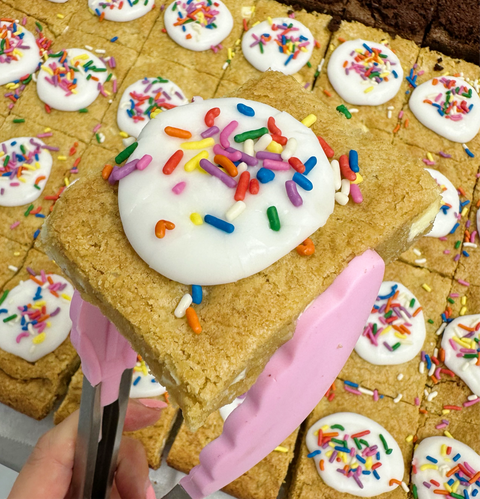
x=153 y=403
x=150 y=491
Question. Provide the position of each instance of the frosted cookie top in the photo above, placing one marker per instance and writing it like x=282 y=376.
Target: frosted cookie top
x=395 y=329
x=35 y=316
x=144 y=385
x=219 y=200
x=445 y=467
x=460 y=341
x=25 y=166
x=71 y=79
x=354 y=454
x=447 y=216
x=143 y=100
x=449 y=106
x=365 y=73
x=281 y=44
x=121 y=10
x=198 y=26
x=19 y=53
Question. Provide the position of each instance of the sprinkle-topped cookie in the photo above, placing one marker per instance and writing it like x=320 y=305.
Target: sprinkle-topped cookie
x=25 y=165
x=144 y=385
x=395 y=330
x=143 y=100
x=71 y=79
x=19 y=52
x=35 y=316
x=449 y=106
x=281 y=44
x=460 y=341
x=365 y=73
x=448 y=215
x=214 y=174
x=121 y=10
x=199 y=25
x=445 y=467
x=353 y=454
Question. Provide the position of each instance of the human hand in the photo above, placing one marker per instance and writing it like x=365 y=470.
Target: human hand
x=48 y=472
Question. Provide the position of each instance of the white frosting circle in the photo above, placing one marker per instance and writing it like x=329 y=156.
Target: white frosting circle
x=195 y=35
x=226 y=410
x=373 y=346
x=18 y=336
x=455 y=124
x=144 y=385
x=203 y=254
x=447 y=217
x=23 y=55
x=448 y=453
x=135 y=105
x=35 y=164
x=458 y=342
x=296 y=51
x=351 y=83
x=60 y=96
x=360 y=485
x=121 y=10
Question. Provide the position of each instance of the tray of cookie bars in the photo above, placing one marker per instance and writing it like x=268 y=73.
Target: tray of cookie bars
x=393 y=103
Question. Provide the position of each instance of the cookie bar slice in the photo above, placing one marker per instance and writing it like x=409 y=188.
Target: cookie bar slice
x=204 y=372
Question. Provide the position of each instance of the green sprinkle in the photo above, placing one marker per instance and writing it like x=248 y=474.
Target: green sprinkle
x=338 y=441
x=412 y=302
x=388 y=314
x=261 y=47
x=364 y=442
x=450 y=300
x=457 y=244
x=430 y=321
x=39 y=26
x=109 y=77
x=470 y=356
x=174 y=6
x=6 y=160
x=357 y=443
x=309 y=64
x=23 y=149
x=317 y=73
x=58 y=54
x=8 y=319
x=414 y=492
x=456 y=496
x=251 y=134
x=4 y=296
x=29 y=209
x=89 y=76
x=375 y=328
x=272 y=214
x=19 y=120
x=337 y=427
x=37 y=187
x=83 y=110
x=342 y=109
x=97 y=136
x=98 y=70
x=126 y=153
x=397 y=345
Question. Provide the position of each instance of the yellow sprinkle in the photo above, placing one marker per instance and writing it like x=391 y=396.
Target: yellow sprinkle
x=67 y=182
x=386 y=330
x=332 y=444
x=385 y=73
x=463 y=301
x=303 y=49
x=368 y=463
x=409 y=438
x=91 y=11
x=455 y=486
x=463 y=310
x=447 y=434
x=274 y=147
x=229 y=52
x=37 y=165
x=369 y=89
x=198 y=144
x=62 y=158
x=80 y=57
x=309 y=120
x=281 y=449
x=66 y=297
x=22 y=179
x=47 y=69
x=426 y=287
x=461 y=341
x=60 y=16
x=329 y=453
x=270 y=21
x=39 y=303
x=443 y=450
x=429 y=156
x=196 y=218
x=254 y=24
x=344 y=457
x=17 y=253
x=155 y=113
x=191 y=164
x=446 y=411
x=401 y=336
x=464 y=211
x=428 y=467
x=39 y=339
x=48 y=129
x=447 y=487
x=123 y=134
x=238 y=42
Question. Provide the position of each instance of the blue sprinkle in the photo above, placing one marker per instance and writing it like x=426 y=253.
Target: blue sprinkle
x=381 y=396
x=411 y=81
x=302 y=181
x=351 y=383
x=3 y=311
x=97 y=11
x=457 y=457
x=464 y=203
x=137 y=380
x=39 y=215
x=451 y=482
x=314 y=453
x=360 y=458
x=386 y=297
x=429 y=362
x=309 y=164
x=153 y=380
x=290 y=57
x=432 y=459
x=197 y=294
x=455 y=227
x=264 y=176
x=464 y=253
x=367 y=47
x=114 y=39
x=366 y=472
x=377 y=456
x=353 y=160
x=376 y=475
x=475 y=492
x=394 y=73
x=470 y=153
x=339 y=448
x=246 y=110
x=465 y=494
x=35 y=235
x=219 y=224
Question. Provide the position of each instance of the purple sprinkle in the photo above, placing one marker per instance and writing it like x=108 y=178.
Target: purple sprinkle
x=293 y=194
x=55 y=312
x=216 y=172
x=209 y=132
x=246 y=158
x=119 y=173
x=269 y=155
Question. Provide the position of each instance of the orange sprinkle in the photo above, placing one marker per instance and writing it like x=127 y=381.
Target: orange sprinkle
x=307 y=248
x=188 y=36
x=327 y=93
x=107 y=170
x=167 y=400
x=50 y=280
x=102 y=16
x=193 y=321
x=341 y=40
x=434 y=81
x=453 y=470
x=227 y=164
x=394 y=480
x=441 y=355
x=419 y=309
x=434 y=379
x=322 y=465
x=177 y=132
x=54 y=293
x=396 y=129
x=461 y=191
x=441 y=492
x=422 y=411
x=407 y=121
x=35 y=280
x=474 y=477
x=470 y=329
x=478 y=203
x=161 y=226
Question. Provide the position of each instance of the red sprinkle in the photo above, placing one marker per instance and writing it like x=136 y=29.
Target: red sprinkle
x=280 y=139
x=242 y=186
x=296 y=164
x=345 y=168
x=173 y=162
x=254 y=186
x=326 y=148
x=272 y=127
x=211 y=115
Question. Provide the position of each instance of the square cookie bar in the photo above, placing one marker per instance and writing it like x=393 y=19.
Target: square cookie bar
x=431 y=291
x=152 y=437
x=22 y=223
x=12 y=256
x=263 y=481
x=400 y=419
x=74 y=123
x=190 y=82
x=33 y=387
x=93 y=155
x=383 y=116
x=240 y=69
x=141 y=302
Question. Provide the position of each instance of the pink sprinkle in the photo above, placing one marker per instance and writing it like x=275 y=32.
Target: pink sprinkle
x=375 y=395
x=178 y=189
x=456 y=257
x=443 y=238
x=400 y=115
x=356 y=194
x=417 y=401
x=352 y=390
x=441 y=426
x=472 y=236
x=471 y=402
x=24 y=21
x=97 y=128
x=446 y=252
x=144 y=161
x=22 y=335
x=14 y=225
x=477 y=175
x=226 y=132
x=463 y=283
x=454 y=295
x=42 y=135
x=271 y=164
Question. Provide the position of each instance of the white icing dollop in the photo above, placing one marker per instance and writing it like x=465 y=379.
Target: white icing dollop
x=434 y=457
x=260 y=45
x=226 y=410
x=447 y=216
x=144 y=385
x=135 y=109
x=121 y=10
x=40 y=321
x=22 y=56
x=361 y=483
x=203 y=254
x=35 y=164
x=459 y=119
x=355 y=83
x=380 y=331
x=210 y=26
x=58 y=1
x=67 y=95
x=458 y=342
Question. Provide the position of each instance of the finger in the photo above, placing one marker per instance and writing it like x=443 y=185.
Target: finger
x=48 y=471
x=131 y=478
x=140 y=415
